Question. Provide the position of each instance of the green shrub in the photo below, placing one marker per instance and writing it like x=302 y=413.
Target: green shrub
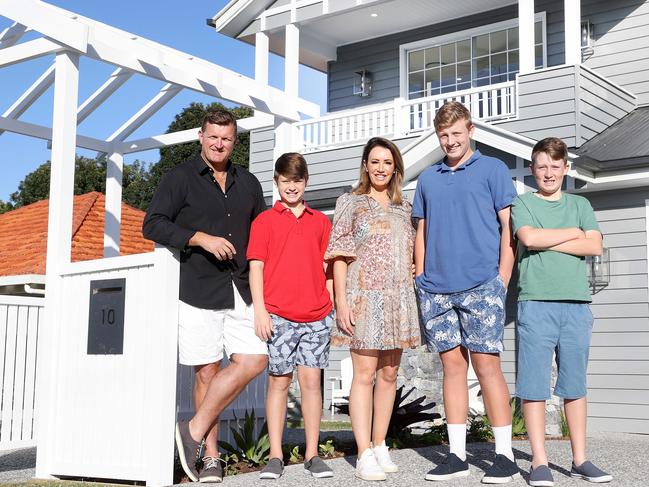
x=253 y=451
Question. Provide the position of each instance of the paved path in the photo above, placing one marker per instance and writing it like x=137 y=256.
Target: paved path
x=623 y=455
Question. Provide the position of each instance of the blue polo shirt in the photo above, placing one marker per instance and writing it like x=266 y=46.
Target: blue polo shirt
x=462 y=227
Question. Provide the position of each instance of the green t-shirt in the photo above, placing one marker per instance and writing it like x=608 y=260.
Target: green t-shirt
x=548 y=275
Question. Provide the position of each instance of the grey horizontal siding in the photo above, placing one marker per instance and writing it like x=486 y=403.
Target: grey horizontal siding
x=262 y=143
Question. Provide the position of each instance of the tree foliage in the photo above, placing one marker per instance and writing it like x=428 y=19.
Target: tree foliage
x=139 y=181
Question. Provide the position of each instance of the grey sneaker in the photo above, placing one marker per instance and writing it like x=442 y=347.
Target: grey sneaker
x=189 y=450
x=452 y=467
x=541 y=476
x=317 y=468
x=588 y=471
x=212 y=470
x=273 y=469
x=502 y=471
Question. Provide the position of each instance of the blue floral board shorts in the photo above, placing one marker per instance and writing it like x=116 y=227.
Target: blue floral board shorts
x=295 y=344
x=474 y=318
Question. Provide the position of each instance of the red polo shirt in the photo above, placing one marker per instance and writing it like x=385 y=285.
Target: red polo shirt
x=292 y=250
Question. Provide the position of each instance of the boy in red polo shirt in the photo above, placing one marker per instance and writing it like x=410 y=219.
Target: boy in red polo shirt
x=293 y=312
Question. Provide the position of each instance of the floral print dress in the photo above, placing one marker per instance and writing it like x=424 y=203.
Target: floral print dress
x=378 y=246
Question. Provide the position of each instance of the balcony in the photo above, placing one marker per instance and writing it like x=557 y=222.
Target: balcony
x=402 y=118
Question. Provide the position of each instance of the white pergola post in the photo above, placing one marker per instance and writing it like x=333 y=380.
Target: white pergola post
x=526 y=35
x=262 y=53
x=291 y=59
x=572 y=28
x=59 y=228
x=113 y=212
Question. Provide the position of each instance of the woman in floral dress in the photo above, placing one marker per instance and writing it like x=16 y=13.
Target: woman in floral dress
x=371 y=247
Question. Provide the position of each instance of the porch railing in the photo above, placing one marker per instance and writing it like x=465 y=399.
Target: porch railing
x=402 y=117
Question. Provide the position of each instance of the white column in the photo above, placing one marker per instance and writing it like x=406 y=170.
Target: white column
x=291 y=60
x=526 y=35
x=59 y=227
x=261 y=57
x=283 y=143
x=113 y=211
x=572 y=27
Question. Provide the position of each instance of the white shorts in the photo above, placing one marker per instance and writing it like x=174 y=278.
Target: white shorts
x=204 y=334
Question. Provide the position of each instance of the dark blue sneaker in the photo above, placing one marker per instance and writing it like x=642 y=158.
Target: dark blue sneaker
x=502 y=471
x=451 y=468
x=588 y=471
x=541 y=476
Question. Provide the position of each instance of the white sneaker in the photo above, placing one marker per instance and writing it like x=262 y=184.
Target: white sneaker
x=367 y=468
x=382 y=454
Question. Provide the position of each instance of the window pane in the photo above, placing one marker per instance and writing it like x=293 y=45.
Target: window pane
x=448 y=75
x=432 y=79
x=498 y=79
x=512 y=38
x=464 y=86
x=481 y=67
x=464 y=50
x=416 y=82
x=415 y=60
x=482 y=82
x=448 y=89
x=448 y=54
x=538 y=35
x=417 y=94
x=512 y=60
x=498 y=41
x=538 y=56
x=512 y=76
x=499 y=63
x=481 y=45
x=463 y=72
x=432 y=57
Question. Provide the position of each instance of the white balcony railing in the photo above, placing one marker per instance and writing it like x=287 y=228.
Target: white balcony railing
x=402 y=117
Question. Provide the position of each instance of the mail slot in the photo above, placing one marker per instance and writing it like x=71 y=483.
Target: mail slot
x=106 y=317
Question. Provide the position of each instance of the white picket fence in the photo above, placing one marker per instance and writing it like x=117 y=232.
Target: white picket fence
x=20 y=319
x=402 y=117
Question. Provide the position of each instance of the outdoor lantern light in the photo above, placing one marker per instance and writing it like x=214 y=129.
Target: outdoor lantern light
x=598 y=270
x=587 y=39
x=363 y=84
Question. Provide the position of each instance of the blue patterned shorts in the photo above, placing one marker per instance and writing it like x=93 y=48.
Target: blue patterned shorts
x=295 y=344
x=474 y=318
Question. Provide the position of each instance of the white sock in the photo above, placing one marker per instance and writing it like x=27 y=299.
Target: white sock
x=457 y=439
x=503 y=438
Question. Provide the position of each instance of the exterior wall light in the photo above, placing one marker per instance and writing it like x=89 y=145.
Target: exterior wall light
x=363 y=83
x=598 y=270
x=587 y=39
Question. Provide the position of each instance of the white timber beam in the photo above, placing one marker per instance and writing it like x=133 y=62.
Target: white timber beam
x=45 y=133
x=526 y=35
x=59 y=236
x=28 y=50
x=32 y=94
x=113 y=206
x=12 y=34
x=39 y=16
x=572 y=29
x=189 y=135
x=262 y=53
x=167 y=92
x=291 y=60
x=117 y=79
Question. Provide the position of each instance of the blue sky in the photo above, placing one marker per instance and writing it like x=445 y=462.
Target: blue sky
x=180 y=25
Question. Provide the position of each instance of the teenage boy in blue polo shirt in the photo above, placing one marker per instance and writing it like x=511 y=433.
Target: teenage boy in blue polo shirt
x=556 y=230
x=463 y=260
x=293 y=308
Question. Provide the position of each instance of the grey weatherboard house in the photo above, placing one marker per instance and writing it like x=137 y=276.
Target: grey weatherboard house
x=576 y=69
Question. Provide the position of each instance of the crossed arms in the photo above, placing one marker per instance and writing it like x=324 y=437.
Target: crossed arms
x=573 y=241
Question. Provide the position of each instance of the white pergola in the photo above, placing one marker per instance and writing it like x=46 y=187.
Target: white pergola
x=66 y=37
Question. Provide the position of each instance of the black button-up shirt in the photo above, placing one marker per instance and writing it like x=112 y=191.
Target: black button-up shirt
x=189 y=200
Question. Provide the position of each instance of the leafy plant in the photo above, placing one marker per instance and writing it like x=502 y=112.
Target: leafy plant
x=405 y=414
x=565 y=431
x=253 y=451
x=292 y=452
x=518 y=420
x=230 y=459
x=327 y=449
x=480 y=427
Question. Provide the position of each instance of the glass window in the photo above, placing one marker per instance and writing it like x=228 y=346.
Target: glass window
x=470 y=62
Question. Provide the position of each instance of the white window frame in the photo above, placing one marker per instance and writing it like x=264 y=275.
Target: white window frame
x=460 y=35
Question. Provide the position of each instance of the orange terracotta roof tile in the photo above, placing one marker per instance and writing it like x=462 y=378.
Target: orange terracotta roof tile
x=23 y=234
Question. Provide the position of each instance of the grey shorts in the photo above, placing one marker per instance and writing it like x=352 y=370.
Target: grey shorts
x=474 y=318
x=295 y=344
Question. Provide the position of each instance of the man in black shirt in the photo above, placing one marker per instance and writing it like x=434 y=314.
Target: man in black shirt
x=205 y=207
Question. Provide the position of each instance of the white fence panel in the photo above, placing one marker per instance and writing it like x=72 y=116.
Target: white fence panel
x=19 y=322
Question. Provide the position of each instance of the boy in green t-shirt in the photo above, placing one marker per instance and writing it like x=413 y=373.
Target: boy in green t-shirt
x=556 y=231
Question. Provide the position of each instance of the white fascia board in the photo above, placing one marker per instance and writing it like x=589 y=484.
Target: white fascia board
x=22 y=279
x=45 y=133
x=189 y=135
x=28 y=50
x=32 y=94
x=117 y=79
x=12 y=34
x=237 y=14
x=49 y=22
